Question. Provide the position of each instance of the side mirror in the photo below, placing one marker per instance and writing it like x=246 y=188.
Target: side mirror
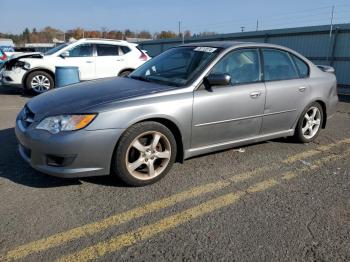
x=64 y=54
x=218 y=79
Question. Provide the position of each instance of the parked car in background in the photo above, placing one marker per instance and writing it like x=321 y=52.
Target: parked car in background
x=190 y=100
x=96 y=58
x=3 y=57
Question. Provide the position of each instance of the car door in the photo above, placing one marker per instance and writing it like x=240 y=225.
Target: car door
x=232 y=112
x=109 y=60
x=82 y=57
x=286 y=92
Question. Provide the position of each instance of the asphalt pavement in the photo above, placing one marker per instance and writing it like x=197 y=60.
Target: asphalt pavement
x=271 y=201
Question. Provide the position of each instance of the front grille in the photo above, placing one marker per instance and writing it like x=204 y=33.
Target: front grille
x=27 y=117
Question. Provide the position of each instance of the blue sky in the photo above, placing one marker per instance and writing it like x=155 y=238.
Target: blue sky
x=222 y=16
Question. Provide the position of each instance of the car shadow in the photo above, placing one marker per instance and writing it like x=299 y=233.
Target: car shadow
x=15 y=169
x=13 y=90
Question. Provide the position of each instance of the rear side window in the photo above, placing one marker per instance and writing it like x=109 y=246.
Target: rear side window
x=302 y=67
x=278 y=65
x=124 y=50
x=107 y=50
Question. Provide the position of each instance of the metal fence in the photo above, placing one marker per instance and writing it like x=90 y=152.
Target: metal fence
x=315 y=42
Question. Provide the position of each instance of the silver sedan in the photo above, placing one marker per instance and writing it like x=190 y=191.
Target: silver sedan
x=190 y=100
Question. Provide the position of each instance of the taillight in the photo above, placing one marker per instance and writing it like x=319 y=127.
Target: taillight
x=3 y=57
x=143 y=56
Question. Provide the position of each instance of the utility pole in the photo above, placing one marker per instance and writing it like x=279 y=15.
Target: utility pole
x=332 y=16
x=242 y=28
x=257 y=25
x=181 y=34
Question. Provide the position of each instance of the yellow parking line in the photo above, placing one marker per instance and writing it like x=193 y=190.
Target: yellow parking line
x=95 y=227
x=145 y=232
x=289 y=176
x=90 y=229
x=313 y=152
x=162 y=225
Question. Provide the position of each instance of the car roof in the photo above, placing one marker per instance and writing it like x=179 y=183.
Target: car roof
x=230 y=44
x=105 y=40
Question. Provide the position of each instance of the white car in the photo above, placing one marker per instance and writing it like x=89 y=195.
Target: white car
x=96 y=58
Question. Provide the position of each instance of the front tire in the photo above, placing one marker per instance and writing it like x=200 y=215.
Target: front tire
x=39 y=82
x=145 y=153
x=309 y=124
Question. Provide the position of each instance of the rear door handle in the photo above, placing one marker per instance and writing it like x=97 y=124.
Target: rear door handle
x=302 y=88
x=255 y=94
x=89 y=62
x=120 y=60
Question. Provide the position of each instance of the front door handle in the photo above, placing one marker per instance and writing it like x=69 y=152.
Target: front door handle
x=89 y=62
x=255 y=94
x=120 y=59
x=302 y=88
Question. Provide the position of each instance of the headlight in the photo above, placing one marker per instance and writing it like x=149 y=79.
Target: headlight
x=26 y=66
x=56 y=124
x=22 y=64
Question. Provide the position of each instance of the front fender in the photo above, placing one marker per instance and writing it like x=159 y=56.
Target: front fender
x=174 y=108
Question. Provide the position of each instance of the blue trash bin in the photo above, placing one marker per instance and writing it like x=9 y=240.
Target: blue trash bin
x=66 y=75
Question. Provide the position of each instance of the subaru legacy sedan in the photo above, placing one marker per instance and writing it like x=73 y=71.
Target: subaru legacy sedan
x=190 y=100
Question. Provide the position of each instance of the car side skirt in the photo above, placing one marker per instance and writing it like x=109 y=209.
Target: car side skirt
x=234 y=143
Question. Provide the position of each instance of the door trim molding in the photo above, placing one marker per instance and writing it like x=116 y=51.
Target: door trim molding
x=243 y=118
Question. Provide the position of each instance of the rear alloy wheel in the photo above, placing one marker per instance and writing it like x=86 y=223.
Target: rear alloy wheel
x=310 y=123
x=145 y=153
x=39 y=82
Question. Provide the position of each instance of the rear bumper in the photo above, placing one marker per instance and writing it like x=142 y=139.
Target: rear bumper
x=332 y=106
x=83 y=153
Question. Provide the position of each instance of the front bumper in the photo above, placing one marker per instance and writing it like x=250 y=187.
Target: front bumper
x=12 y=77
x=85 y=153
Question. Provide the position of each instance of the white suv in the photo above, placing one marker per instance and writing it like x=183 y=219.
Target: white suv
x=96 y=58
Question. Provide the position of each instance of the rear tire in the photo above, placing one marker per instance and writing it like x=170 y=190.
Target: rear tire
x=309 y=124
x=39 y=82
x=144 y=154
x=124 y=73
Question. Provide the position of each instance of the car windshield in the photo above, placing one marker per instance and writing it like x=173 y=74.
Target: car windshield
x=55 y=49
x=176 y=67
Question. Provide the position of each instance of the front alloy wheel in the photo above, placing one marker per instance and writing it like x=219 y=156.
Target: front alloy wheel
x=148 y=155
x=144 y=154
x=39 y=82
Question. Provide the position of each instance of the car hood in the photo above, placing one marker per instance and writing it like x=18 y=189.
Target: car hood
x=84 y=96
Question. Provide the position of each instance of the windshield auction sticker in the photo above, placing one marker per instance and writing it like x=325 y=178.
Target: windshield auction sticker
x=205 y=49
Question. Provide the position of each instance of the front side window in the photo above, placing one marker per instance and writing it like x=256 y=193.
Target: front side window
x=107 y=50
x=84 y=50
x=177 y=66
x=242 y=65
x=278 y=65
x=302 y=67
